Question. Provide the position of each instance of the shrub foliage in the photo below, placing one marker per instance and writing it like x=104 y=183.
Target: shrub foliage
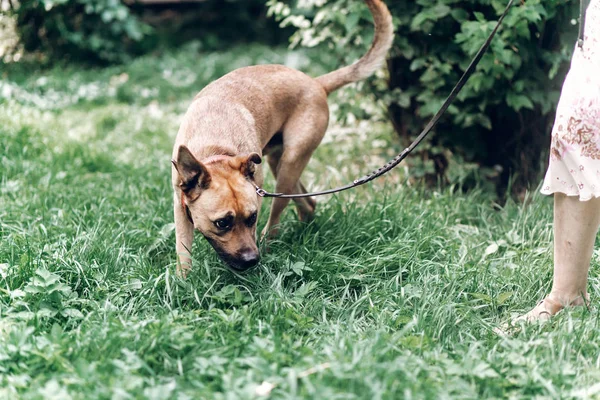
x=98 y=30
x=503 y=115
x=115 y=30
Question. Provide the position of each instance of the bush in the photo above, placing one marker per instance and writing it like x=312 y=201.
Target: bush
x=111 y=31
x=91 y=30
x=217 y=24
x=503 y=115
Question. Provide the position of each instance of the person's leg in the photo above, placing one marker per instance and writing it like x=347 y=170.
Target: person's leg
x=575 y=226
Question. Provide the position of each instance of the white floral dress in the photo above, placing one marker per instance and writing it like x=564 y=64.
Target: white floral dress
x=574 y=167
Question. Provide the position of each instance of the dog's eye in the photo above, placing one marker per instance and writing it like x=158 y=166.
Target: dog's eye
x=224 y=223
x=252 y=220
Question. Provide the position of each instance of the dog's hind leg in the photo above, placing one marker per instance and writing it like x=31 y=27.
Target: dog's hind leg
x=305 y=205
x=302 y=134
x=184 y=237
x=311 y=200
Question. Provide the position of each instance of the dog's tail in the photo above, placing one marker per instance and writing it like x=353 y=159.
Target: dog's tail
x=370 y=62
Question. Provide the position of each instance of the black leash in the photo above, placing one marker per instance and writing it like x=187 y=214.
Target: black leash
x=398 y=159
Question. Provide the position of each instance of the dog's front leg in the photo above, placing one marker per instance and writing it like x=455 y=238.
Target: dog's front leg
x=184 y=236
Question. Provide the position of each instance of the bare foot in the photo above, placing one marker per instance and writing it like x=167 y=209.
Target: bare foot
x=549 y=307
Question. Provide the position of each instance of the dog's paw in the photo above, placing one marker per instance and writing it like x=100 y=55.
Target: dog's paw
x=182 y=271
x=306 y=209
x=269 y=233
x=306 y=216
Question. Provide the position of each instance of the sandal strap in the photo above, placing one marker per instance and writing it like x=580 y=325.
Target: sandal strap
x=551 y=306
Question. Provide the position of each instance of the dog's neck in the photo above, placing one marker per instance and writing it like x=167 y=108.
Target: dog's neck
x=215 y=159
x=213 y=154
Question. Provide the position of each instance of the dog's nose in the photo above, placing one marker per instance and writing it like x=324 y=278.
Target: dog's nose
x=249 y=258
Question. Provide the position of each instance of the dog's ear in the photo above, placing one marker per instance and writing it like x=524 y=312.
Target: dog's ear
x=192 y=173
x=247 y=164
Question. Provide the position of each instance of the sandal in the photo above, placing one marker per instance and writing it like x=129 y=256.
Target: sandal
x=542 y=312
x=548 y=307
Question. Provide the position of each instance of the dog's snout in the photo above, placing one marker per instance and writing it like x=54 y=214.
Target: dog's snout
x=249 y=258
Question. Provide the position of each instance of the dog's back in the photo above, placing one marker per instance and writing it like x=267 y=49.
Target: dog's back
x=261 y=96
x=270 y=93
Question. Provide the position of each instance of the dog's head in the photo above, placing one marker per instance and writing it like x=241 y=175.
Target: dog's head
x=223 y=204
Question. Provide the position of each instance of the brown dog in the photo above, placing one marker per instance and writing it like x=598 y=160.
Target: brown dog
x=268 y=109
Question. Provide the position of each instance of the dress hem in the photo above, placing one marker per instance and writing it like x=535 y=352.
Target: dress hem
x=585 y=197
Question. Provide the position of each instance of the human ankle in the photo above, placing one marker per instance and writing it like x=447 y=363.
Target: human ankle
x=567 y=299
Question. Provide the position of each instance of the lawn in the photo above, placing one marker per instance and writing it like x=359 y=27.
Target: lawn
x=393 y=291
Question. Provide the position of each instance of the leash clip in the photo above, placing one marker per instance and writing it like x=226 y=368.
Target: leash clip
x=261 y=192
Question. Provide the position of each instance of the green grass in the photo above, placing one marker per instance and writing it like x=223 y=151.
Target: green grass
x=393 y=291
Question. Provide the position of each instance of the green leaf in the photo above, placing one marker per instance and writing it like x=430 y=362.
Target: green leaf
x=107 y=16
x=56 y=332
x=522 y=30
x=502 y=297
x=518 y=101
x=483 y=371
x=305 y=289
x=485 y=121
x=134 y=284
x=58 y=287
x=33 y=289
x=491 y=249
x=459 y=14
x=429 y=75
x=418 y=63
x=403 y=99
x=441 y=10
x=299 y=267
x=418 y=21
x=480 y=17
x=47 y=276
x=351 y=22
x=482 y=296
x=414 y=342
x=71 y=313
